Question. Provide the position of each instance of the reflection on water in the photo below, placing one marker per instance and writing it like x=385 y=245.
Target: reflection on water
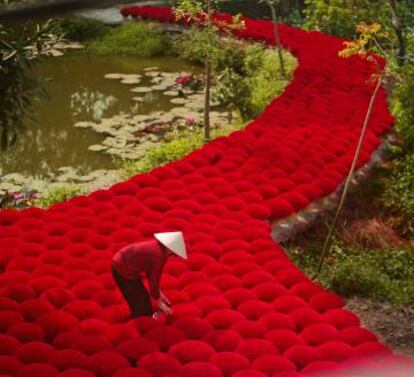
x=93 y=103
x=79 y=92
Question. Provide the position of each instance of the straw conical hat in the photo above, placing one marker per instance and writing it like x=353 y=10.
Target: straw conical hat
x=173 y=241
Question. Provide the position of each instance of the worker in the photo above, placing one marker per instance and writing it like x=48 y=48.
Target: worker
x=149 y=258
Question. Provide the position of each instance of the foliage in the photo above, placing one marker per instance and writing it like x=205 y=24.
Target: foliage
x=57 y=195
x=340 y=17
x=196 y=44
x=368 y=40
x=403 y=106
x=386 y=275
x=247 y=77
x=266 y=81
x=205 y=44
x=134 y=39
x=398 y=195
x=81 y=29
x=21 y=46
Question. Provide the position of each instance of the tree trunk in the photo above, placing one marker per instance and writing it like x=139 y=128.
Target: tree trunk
x=207 y=135
x=277 y=37
x=396 y=23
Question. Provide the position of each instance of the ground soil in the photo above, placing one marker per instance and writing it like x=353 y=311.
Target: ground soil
x=394 y=325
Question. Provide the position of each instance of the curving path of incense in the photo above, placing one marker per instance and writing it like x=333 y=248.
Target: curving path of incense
x=241 y=308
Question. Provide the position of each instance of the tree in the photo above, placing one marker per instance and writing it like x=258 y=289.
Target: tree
x=273 y=10
x=201 y=12
x=396 y=23
x=21 y=46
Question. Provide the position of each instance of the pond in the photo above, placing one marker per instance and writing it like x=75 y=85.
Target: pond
x=79 y=92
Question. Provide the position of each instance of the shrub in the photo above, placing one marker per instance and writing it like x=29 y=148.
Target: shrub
x=58 y=194
x=403 y=105
x=132 y=38
x=340 y=17
x=22 y=45
x=247 y=76
x=81 y=29
x=265 y=81
x=398 y=195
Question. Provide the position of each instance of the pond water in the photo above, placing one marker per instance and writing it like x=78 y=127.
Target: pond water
x=79 y=92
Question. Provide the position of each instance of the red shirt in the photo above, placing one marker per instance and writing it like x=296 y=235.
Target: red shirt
x=142 y=257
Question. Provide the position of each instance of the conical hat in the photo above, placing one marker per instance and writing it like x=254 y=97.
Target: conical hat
x=173 y=241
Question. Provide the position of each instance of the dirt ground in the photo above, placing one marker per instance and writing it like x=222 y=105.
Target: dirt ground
x=392 y=324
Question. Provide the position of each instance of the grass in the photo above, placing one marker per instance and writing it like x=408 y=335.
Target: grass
x=132 y=38
x=58 y=194
x=267 y=82
x=369 y=258
x=385 y=275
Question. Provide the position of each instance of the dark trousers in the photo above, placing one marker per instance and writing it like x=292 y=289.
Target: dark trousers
x=135 y=294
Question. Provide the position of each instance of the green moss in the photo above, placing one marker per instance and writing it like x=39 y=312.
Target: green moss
x=132 y=39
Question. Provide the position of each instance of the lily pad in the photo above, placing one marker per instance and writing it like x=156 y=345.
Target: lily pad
x=152 y=74
x=171 y=93
x=130 y=81
x=114 y=76
x=159 y=87
x=84 y=124
x=97 y=148
x=141 y=89
x=178 y=101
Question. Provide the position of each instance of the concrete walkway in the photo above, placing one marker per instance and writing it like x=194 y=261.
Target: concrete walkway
x=111 y=16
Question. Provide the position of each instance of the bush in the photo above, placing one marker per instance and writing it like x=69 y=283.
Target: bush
x=386 y=275
x=403 y=106
x=340 y=17
x=81 y=29
x=133 y=39
x=56 y=195
x=247 y=77
x=398 y=195
x=265 y=80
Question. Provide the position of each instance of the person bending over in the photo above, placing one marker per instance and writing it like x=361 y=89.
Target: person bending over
x=149 y=258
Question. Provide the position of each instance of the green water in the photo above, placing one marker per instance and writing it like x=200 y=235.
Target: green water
x=79 y=92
